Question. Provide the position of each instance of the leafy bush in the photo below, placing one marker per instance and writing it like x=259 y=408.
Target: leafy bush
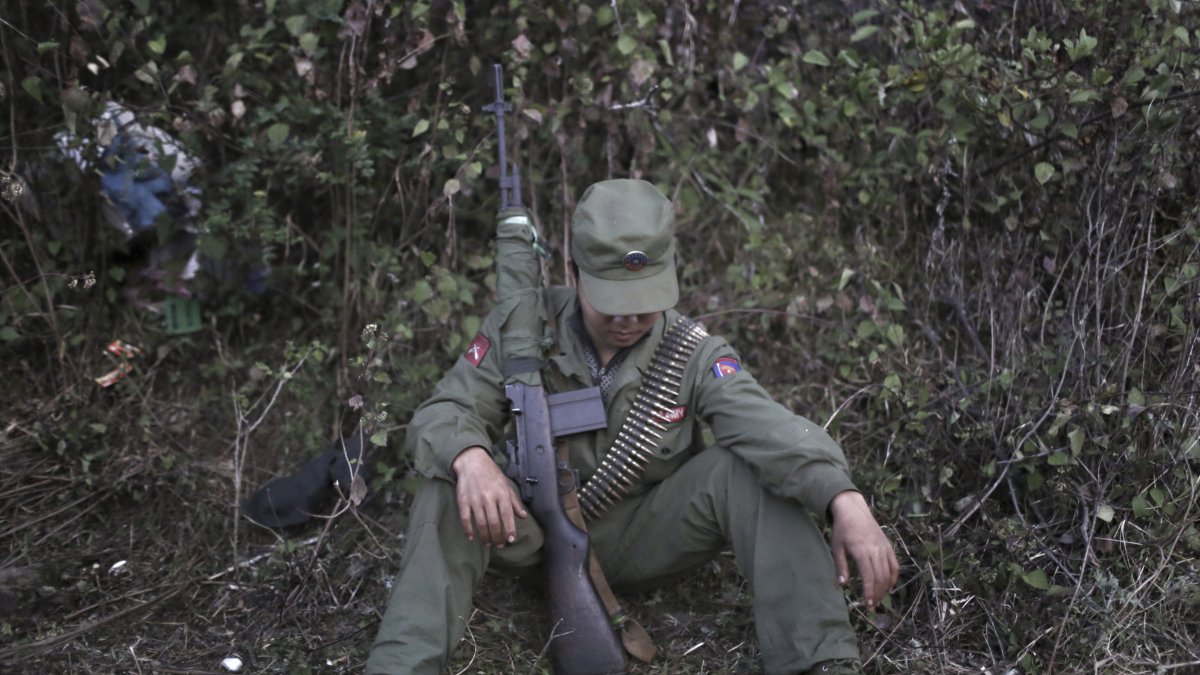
x=966 y=236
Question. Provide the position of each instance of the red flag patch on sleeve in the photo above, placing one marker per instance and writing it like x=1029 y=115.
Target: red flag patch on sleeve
x=726 y=366
x=478 y=349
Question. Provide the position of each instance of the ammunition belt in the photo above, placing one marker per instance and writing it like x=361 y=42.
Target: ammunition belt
x=641 y=432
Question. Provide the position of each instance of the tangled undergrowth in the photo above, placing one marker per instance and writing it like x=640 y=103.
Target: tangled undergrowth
x=964 y=238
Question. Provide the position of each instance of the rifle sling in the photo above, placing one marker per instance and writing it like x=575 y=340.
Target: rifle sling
x=519 y=365
x=634 y=638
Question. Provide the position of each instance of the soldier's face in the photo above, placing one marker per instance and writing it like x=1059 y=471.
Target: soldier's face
x=611 y=333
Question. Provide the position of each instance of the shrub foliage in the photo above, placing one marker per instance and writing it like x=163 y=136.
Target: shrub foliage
x=963 y=235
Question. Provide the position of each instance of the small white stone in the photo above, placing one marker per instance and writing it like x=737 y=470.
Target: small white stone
x=117 y=567
x=232 y=664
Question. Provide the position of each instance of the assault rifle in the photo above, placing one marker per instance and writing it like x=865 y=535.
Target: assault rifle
x=583 y=640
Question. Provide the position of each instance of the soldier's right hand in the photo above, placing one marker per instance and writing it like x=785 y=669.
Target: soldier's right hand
x=487 y=502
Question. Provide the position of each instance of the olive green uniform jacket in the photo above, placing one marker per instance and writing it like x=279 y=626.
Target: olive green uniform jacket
x=793 y=457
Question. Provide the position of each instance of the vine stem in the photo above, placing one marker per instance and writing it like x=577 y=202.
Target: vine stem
x=241 y=441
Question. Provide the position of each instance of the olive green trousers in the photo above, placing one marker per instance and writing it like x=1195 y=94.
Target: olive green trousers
x=711 y=502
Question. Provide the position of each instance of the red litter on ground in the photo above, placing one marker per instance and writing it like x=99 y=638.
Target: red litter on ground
x=123 y=351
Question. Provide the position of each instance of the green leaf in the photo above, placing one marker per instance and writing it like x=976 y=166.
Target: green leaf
x=1044 y=171
x=739 y=61
x=1037 y=579
x=1141 y=507
x=420 y=292
x=8 y=334
x=148 y=73
x=1180 y=34
x=422 y=127
x=892 y=383
x=308 y=43
x=1076 y=438
x=295 y=24
x=158 y=45
x=1136 y=397
x=1105 y=512
x=379 y=438
x=1084 y=46
x=815 y=58
x=33 y=86
x=1058 y=459
x=117 y=274
x=604 y=16
x=863 y=33
x=847 y=274
x=44 y=47
x=278 y=133
x=626 y=44
x=1081 y=96
x=864 y=16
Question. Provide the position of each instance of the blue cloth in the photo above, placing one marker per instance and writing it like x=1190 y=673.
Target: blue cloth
x=134 y=183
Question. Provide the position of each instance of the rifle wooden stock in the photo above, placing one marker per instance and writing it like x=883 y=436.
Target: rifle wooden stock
x=583 y=641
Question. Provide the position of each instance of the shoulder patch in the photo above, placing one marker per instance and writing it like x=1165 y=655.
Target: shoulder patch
x=725 y=366
x=478 y=349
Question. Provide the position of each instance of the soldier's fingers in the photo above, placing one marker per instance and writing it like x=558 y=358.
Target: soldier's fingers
x=464 y=517
x=874 y=574
x=843 y=567
x=518 y=506
x=885 y=575
x=508 y=523
x=495 y=536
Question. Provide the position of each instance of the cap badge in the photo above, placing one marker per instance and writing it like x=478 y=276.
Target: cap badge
x=635 y=260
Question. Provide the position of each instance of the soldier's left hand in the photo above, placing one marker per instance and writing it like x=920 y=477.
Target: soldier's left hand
x=856 y=535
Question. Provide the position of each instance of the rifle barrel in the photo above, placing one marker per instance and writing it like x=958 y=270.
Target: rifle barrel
x=510 y=179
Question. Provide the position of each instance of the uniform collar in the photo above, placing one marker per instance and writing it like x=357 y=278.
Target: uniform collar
x=572 y=341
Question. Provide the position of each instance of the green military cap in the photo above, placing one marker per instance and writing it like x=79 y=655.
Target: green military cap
x=623 y=240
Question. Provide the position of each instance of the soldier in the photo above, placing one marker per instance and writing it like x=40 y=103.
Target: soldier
x=765 y=487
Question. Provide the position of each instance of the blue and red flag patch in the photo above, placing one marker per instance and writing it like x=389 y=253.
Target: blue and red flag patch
x=726 y=366
x=477 y=350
